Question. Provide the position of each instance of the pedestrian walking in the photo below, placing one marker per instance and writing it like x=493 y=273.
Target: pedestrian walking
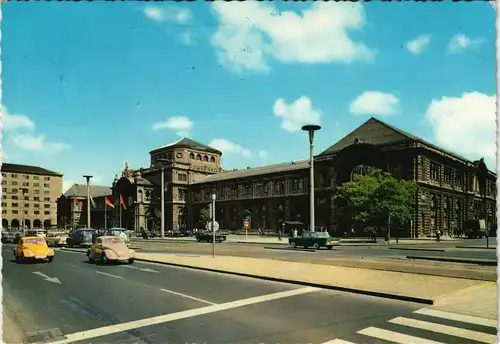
x=438 y=235
x=279 y=235
x=374 y=235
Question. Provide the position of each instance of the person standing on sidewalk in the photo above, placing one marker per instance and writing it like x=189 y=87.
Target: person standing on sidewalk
x=279 y=235
x=438 y=235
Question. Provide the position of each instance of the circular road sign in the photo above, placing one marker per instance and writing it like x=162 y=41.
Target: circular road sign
x=208 y=226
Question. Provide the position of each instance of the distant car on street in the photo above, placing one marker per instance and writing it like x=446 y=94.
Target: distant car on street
x=80 y=237
x=56 y=238
x=314 y=239
x=107 y=249
x=33 y=248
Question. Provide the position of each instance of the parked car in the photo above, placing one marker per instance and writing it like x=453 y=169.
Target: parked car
x=56 y=238
x=80 y=237
x=208 y=237
x=314 y=239
x=107 y=249
x=8 y=237
x=37 y=232
x=33 y=248
x=120 y=232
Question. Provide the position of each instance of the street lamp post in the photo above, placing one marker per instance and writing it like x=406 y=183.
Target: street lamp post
x=87 y=177
x=213 y=225
x=162 y=165
x=24 y=191
x=311 y=128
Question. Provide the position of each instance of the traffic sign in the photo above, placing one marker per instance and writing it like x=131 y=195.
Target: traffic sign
x=208 y=226
x=245 y=223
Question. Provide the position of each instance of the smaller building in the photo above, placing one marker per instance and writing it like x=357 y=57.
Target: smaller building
x=29 y=195
x=72 y=207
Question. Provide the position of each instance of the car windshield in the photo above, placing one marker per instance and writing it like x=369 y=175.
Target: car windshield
x=34 y=241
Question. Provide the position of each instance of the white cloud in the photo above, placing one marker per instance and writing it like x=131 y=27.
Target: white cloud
x=465 y=124
x=186 y=38
x=228 y=147
x=12 y=122
x=154 y=13
x=417 y=45
x=263 y=154
x=296 y=114
x=172 y=14
x=461 y=42
x=374 y=103
x=181 y=124
x=38 y=143
x=3 y=156
x=251 y=32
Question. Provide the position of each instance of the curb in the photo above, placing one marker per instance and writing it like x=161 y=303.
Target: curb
x=417 y=249
x=302 y=283
x=477 y=247
x=487 y=262
x=164 y=241
x=290 y=249
x=260 y=243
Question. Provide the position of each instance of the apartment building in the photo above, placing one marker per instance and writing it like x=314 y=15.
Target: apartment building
x=29 y=195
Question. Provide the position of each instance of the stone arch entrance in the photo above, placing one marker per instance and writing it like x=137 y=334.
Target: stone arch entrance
x=37 y=224
x=27 y=223
x=5 y=223
x=14 y=223
x=47 y=224
x=357 y=158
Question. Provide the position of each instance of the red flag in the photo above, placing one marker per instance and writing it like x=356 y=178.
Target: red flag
x=122 y=202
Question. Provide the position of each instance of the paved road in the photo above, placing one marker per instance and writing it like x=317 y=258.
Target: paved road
x=119 y=304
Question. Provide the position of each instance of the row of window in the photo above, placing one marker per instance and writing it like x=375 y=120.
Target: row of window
x=26 y=198
x=26 y=212
x=26 y=205
x=24 y=176
x=458 y=178
x=13 y=182
x=25 y=191
x=199 y=157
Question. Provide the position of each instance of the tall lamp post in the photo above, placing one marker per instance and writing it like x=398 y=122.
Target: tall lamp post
x=24 y=191
x=87 y=177
x=311 y=128
x=162 y=163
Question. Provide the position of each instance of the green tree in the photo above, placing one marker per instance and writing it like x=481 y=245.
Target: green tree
x=370 y=198
x=205 y=214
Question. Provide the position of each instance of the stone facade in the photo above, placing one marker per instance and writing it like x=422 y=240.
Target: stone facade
x=448 y=185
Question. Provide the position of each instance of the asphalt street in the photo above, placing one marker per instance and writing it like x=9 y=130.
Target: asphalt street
x=152 y=303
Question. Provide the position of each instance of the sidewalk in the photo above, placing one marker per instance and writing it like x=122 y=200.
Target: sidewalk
x=11 y=330
x=389 y=284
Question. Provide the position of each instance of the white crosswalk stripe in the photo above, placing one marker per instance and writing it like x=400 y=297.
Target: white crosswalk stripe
x=429 y=327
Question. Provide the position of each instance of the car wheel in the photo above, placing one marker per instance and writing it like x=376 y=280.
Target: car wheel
x=329 y=247
x=104 y=259
x=51 y=259
x=316 y=246
x=293 y=245
x=131 y=261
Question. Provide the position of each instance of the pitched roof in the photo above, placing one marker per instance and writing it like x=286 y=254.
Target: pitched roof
x=255 y=171
x=186 y=142
x=80 y=190
x=28 y=169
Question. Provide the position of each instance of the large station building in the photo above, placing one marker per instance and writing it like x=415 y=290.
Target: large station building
x=448 y=185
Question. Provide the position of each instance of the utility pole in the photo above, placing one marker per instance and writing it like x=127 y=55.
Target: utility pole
x=311 y=129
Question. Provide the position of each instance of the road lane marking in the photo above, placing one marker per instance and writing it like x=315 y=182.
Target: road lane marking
x=47 y=278
x=445 y=329
x=338 y=341
x=458 y=317
x=395 y=337
x=131 y=325
x=187 y=296
x=106 y=274
x=141 y=269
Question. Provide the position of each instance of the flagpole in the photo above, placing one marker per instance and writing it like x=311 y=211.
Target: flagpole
x=105 y=214
x=120 y=205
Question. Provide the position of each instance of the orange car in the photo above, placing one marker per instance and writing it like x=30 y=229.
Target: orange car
x=33 y=248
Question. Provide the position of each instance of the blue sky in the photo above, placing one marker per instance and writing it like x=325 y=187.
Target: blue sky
x=89 y=85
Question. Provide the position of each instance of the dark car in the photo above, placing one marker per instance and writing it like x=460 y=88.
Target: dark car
x=314 y=239
x=81 y=237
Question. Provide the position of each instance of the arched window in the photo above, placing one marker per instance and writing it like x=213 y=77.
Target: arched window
x=205 y=158
x=191 y=156
x=212 y=159
x=198 y=157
